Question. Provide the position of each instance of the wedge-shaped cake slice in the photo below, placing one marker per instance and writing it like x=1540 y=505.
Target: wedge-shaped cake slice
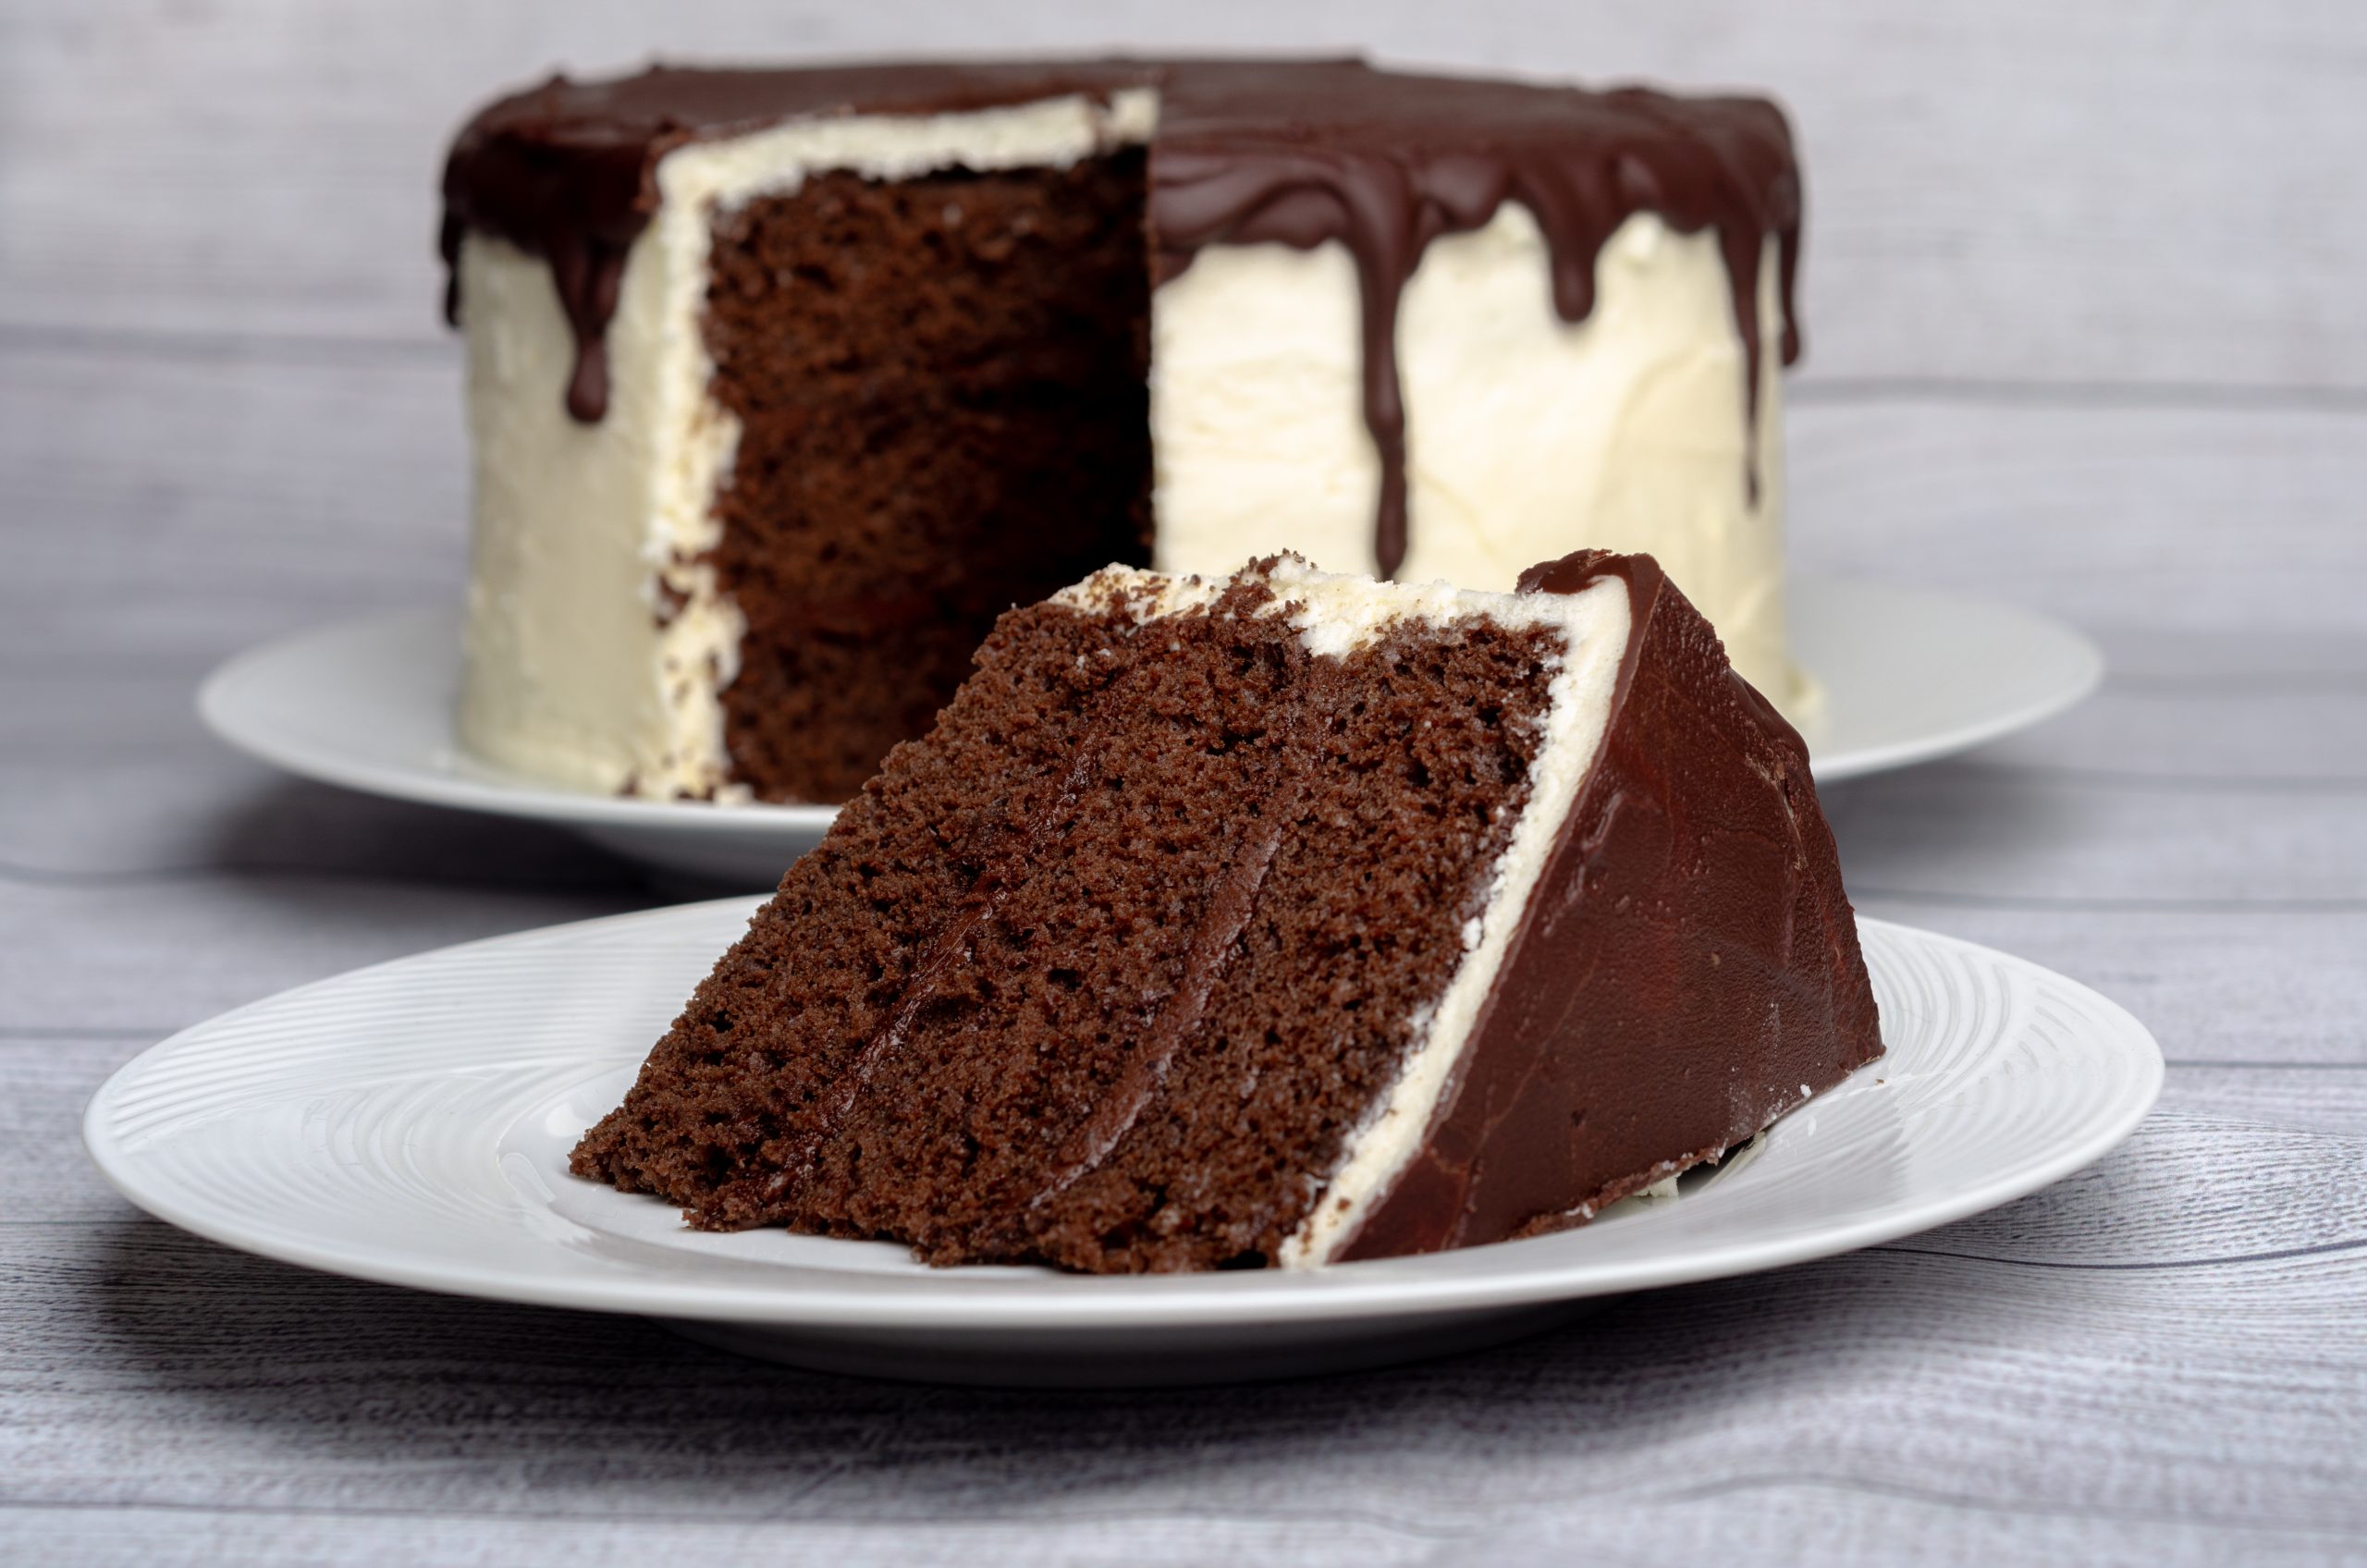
x=1286 y=919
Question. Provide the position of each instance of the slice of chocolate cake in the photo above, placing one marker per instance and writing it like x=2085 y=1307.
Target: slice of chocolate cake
x=1285 y=920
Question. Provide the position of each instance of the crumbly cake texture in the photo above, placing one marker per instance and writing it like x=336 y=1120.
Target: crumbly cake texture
x=944 y=416
x=1277 y=921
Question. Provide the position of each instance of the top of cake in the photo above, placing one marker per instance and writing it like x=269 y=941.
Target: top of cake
x=1296 y=152
x=1349 y=152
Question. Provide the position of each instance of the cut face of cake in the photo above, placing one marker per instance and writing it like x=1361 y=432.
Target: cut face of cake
x=1283 y=919
x=783 y=384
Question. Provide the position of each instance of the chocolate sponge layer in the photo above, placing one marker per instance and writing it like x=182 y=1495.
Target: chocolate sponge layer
x=941 y=388
x=1104 y=971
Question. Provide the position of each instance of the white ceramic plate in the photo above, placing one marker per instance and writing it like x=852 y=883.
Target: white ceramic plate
x=410 y=1123
x=1906 y=676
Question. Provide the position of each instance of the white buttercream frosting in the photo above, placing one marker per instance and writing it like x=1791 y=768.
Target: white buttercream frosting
x=1258 y=440
x=1334 y=613
x=576 y=672
x=1527 y=436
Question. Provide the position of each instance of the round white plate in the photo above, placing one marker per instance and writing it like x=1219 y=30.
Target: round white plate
x=1905 y=675
x=410 y=1123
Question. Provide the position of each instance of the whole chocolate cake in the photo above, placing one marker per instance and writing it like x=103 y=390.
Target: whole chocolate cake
x=1283 y=919
x=784 y=384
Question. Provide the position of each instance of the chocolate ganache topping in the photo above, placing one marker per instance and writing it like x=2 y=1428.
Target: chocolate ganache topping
x=1294 y=153
x=1304 y=153
x=567 y=171
x=1711 y=891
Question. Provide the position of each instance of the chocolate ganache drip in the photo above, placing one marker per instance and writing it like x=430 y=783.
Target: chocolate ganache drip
x=1292 y=153
x=567 y=171
x=1305 y=154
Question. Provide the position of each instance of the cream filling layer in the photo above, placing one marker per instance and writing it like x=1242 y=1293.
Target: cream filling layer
x=1334 y=616
x=596 y=638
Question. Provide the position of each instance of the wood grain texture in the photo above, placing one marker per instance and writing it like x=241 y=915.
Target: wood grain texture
x=2093 y=509
x=2086 y=334
x=2144 y=193
x=2043 y=1365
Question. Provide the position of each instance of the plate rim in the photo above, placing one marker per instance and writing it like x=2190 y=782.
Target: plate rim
x=2083 y=663
x=1371 y=1291
x=217 y=708
x=494 y=794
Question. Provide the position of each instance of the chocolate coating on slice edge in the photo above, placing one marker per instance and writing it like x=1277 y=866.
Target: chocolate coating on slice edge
x=1687 y=971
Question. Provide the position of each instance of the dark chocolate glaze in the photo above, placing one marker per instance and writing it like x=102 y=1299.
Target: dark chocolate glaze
x=1689 y=930
x=1303 y=153
x=567 y=171
x=1296 y=153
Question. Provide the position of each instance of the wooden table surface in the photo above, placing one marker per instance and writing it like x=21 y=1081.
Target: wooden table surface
x=2087 y=332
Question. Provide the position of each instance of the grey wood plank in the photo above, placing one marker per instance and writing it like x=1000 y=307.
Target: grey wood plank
x=1807 y=1519
x=2219 y=984
x=176 y=952
x=2165 y=518
x=259 y=1387
x=1964 y=1367
x=1967 y=831
x=2328 y=1097
x=118 y=824
x=2287 y=731
x=212 y=504
x=1970 y=221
